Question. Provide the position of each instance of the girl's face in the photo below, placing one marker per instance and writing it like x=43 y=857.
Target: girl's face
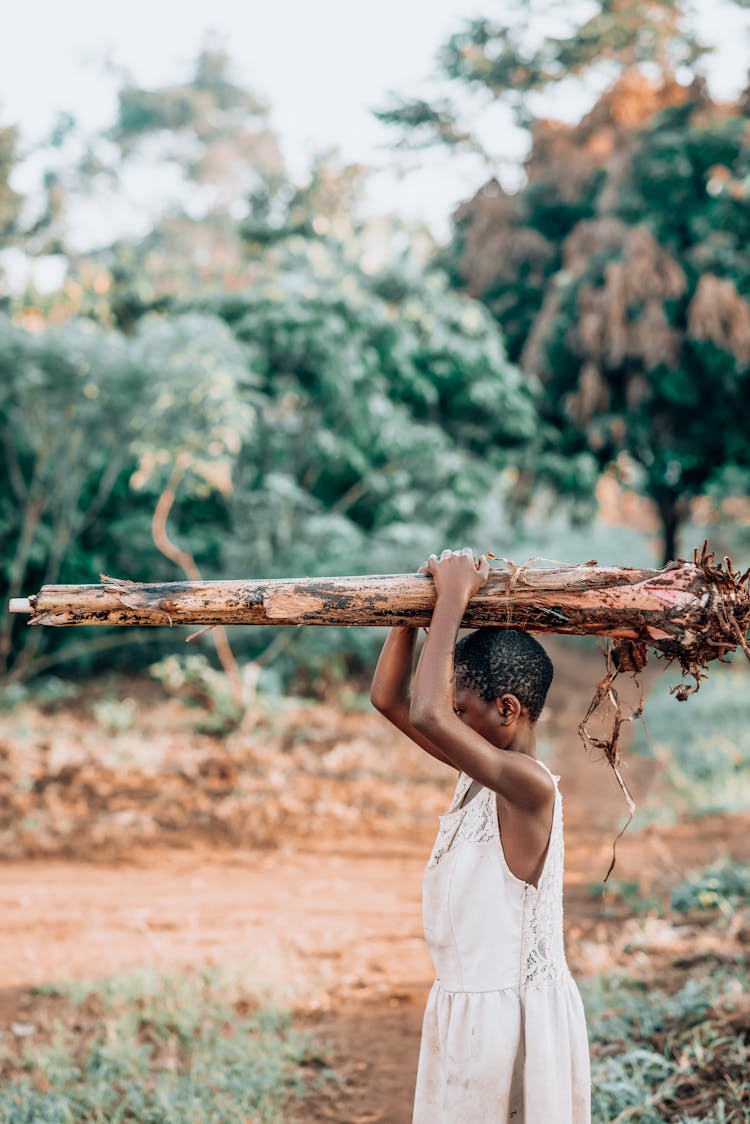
x=481 y=715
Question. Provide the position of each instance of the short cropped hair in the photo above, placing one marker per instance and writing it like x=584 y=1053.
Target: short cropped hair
x=505 y=661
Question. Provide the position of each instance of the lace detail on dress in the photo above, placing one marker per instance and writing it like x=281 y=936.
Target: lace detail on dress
x=543 y=962
x=471 y=824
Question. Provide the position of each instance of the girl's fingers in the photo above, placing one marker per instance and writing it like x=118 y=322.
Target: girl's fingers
x=466 y=550
x=450 y=553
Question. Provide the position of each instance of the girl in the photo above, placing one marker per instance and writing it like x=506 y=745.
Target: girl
x=504 y=1034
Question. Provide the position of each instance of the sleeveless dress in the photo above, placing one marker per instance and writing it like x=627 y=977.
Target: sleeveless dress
x=504 y=1032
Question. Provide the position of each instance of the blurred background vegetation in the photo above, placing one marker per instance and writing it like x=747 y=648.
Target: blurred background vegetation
x=298 y=389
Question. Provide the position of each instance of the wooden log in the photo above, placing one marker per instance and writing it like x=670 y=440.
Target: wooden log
x=690 y=611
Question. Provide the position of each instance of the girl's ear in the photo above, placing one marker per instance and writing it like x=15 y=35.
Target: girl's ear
x=509 y=709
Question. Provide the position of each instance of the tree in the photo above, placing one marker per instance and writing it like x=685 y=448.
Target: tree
x=506 y=247
x=210 y=159
x=618 y=269
x=66 y=422
x=326 y=419
x=643 y=339
x=532 y=50
x=383 y=399
x=10 y=200
x=209 y=139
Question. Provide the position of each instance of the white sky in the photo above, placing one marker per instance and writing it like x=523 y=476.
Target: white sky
x=320 y=63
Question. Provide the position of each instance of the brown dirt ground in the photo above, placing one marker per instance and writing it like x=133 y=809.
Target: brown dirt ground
x=332 y=920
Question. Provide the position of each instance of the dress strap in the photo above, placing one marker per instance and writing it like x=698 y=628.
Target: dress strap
x=463 y=784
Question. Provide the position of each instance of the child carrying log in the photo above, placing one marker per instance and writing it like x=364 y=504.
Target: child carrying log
x=504 y=1034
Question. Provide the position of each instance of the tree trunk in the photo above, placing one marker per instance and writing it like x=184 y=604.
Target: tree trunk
x=692 y=612
x=673 y=511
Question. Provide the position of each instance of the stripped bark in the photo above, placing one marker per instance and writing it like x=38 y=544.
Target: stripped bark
x=691 y=612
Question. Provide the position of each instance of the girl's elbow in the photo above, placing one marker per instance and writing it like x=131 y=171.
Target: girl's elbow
x=378 y=702
x=382 y=703
x=422 y=716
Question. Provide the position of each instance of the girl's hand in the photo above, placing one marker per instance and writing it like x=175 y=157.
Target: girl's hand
x=456 y=573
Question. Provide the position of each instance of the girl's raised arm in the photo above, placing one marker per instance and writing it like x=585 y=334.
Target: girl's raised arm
x=432 y=713
x=390 y=690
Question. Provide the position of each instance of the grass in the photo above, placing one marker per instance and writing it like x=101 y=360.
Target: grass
x=676 y=1049
x=679 y=1057
x=724 y=885
x=156 y=1049
x=621 y=892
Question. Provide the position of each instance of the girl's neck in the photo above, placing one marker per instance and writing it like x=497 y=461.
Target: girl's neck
x=525 y=742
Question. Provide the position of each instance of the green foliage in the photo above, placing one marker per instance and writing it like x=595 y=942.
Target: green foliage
x=552 y=214
x=65 y=428
x=627 y=339
x=10 y=200
x=372 y=409
x=209 y=106
x=305 y=425
x=46 y=692
x=164 y=1050
x=531 y=50
x=626 y=893
x=196 y=409
x=651 y=403
x=646 y=1045
x=724 y=885
x=311 y=411
x=685 y=182
x=422 y=123
x=641 y=340
x=197 y=683
x=372 y=414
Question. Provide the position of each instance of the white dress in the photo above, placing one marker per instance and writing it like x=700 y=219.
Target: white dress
x=504 y=1032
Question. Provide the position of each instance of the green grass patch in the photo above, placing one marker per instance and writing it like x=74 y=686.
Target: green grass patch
x=724 y=885
x=680 y=1057
x=156 y=1049
x=619 y=893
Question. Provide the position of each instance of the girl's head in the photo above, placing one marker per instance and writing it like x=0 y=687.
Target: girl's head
x=502 y=677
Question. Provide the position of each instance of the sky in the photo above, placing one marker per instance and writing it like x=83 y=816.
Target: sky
x=321 y=64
